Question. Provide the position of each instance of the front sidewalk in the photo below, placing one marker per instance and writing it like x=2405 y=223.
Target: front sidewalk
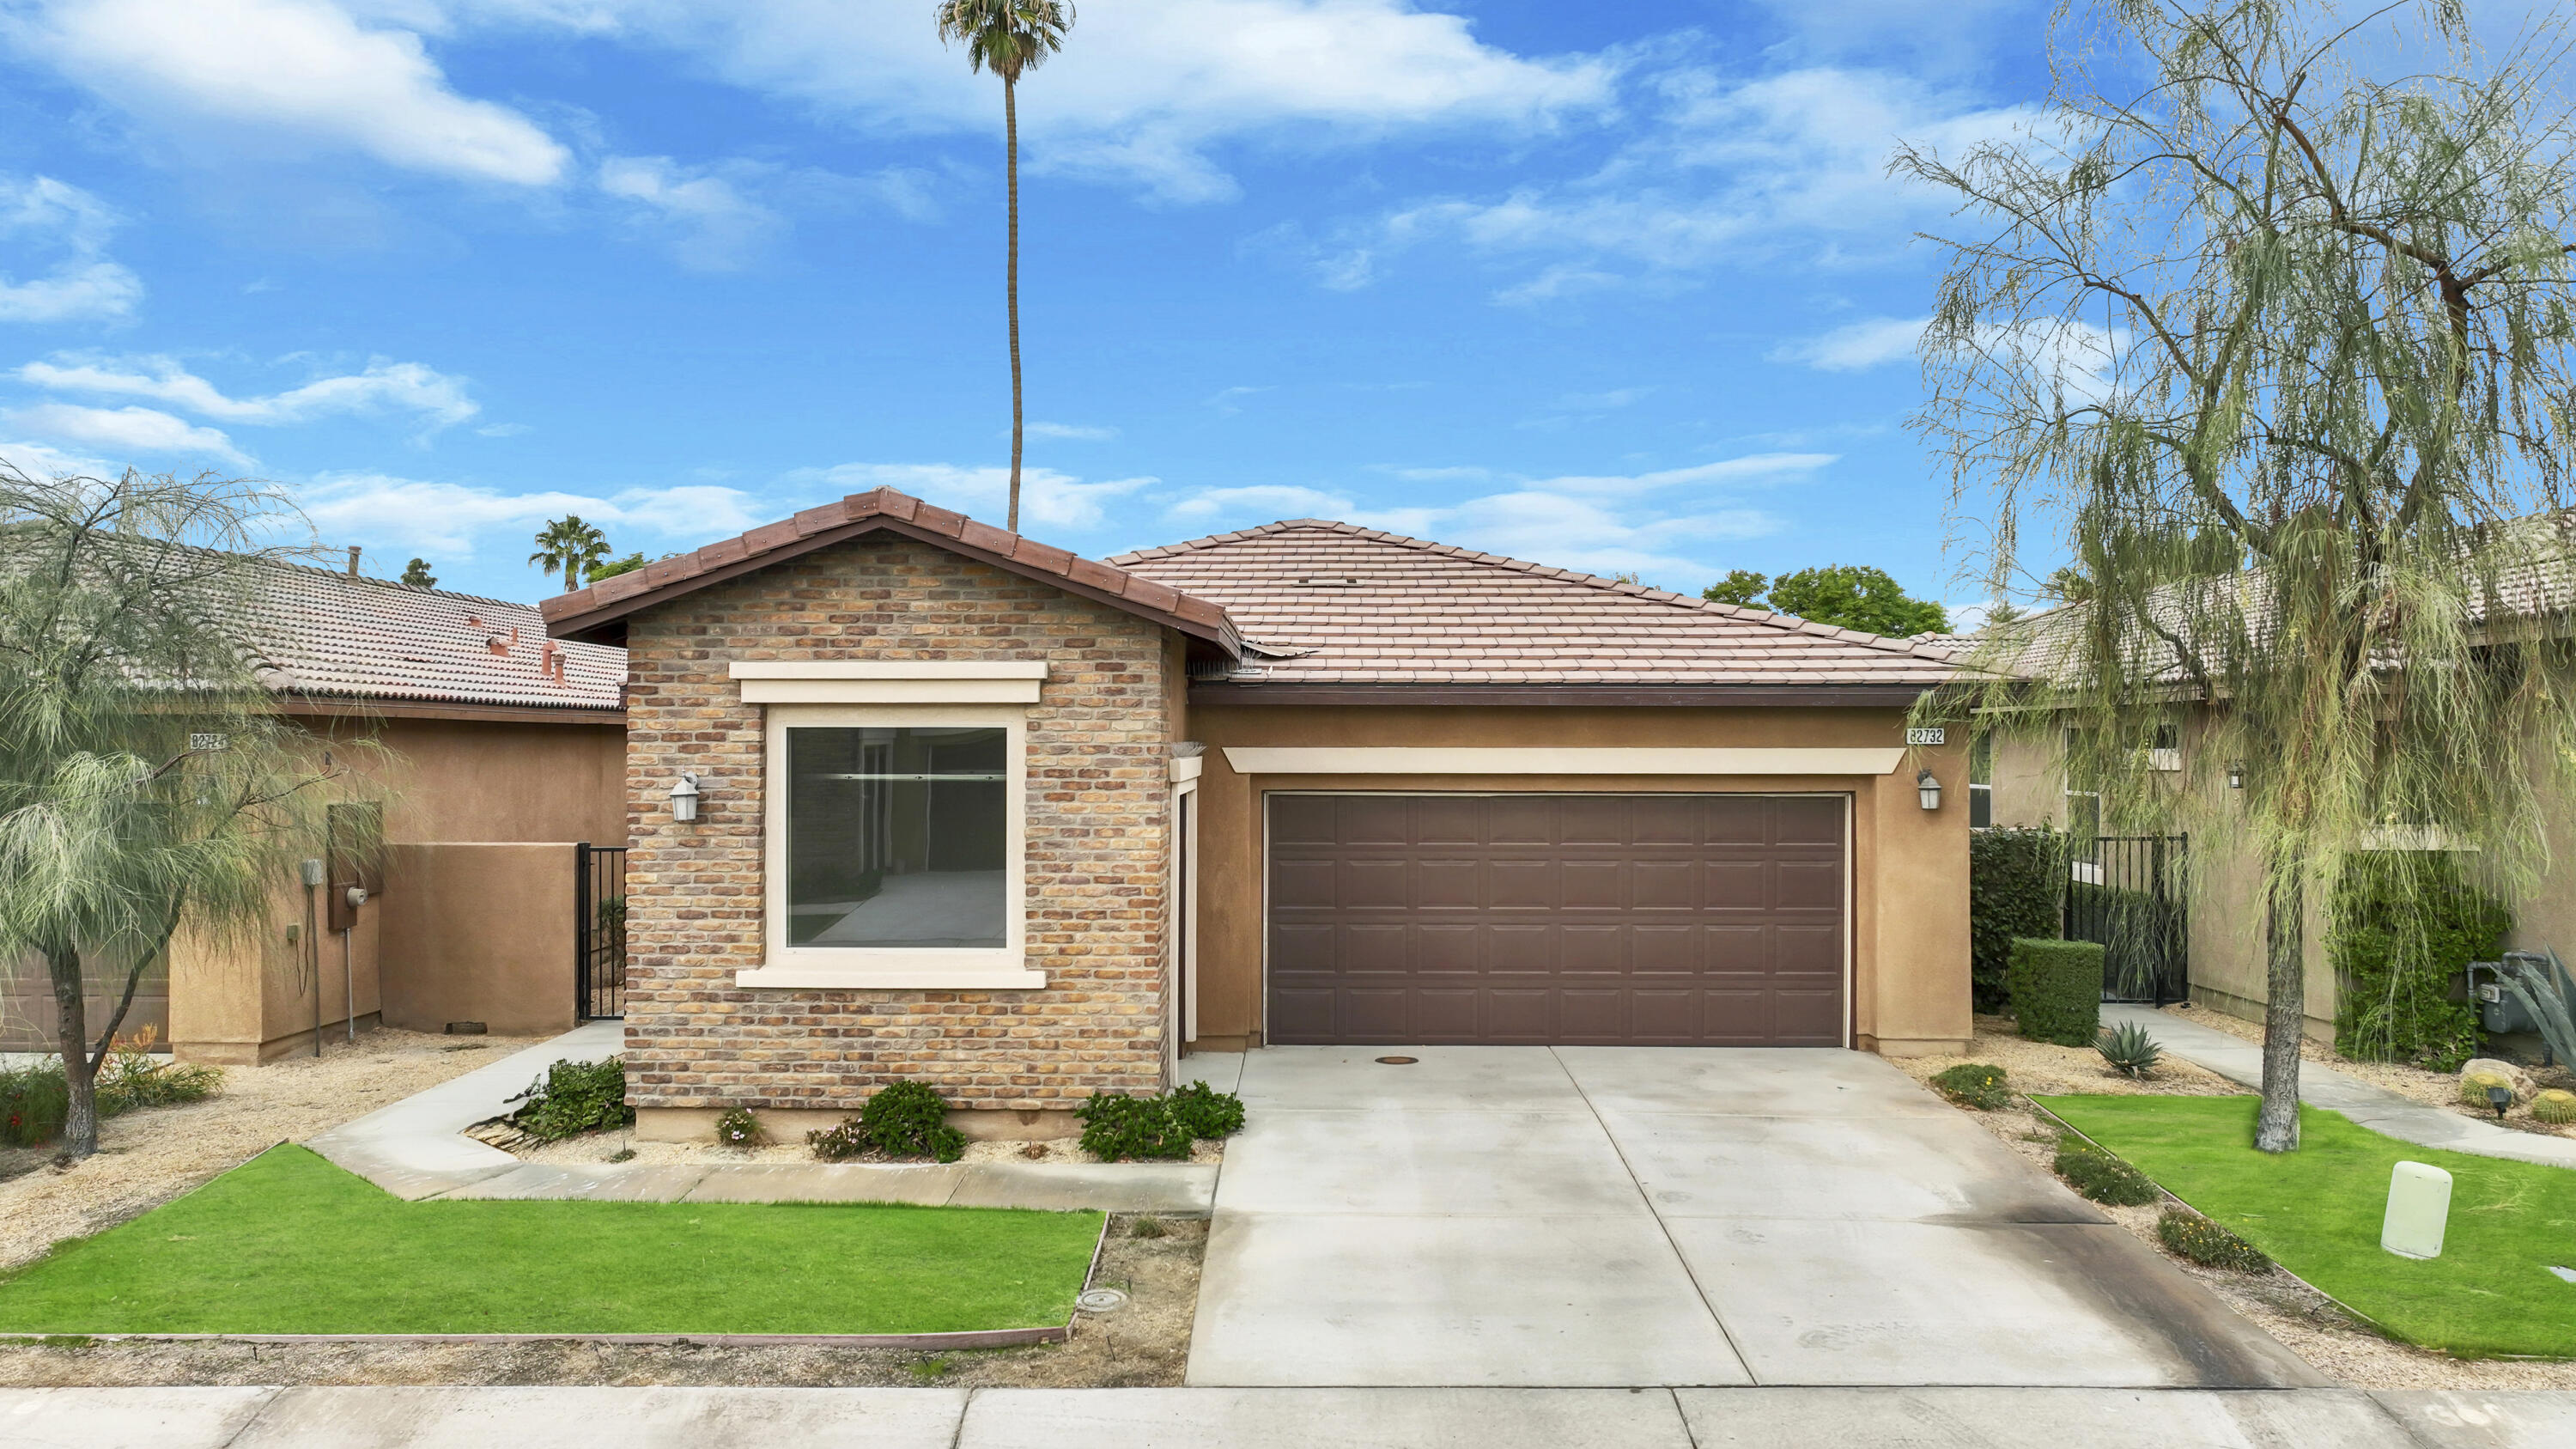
x=414 y=1150
x=1773 y=1418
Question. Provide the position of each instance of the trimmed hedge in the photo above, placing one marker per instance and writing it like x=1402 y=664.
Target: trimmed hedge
x=2057 y=990
x=2013 y=881
x=2404 y=924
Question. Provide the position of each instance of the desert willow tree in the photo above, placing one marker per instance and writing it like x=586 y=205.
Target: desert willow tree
x=147 y=781
x=2268 y=326
x=1009 y=38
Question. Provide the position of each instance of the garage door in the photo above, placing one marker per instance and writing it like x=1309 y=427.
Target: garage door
x=1680 y=920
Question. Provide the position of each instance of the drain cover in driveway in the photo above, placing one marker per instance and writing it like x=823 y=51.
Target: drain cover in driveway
x=1101 y=1300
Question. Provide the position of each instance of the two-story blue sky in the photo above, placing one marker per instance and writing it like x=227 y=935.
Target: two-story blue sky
x=1618 y=286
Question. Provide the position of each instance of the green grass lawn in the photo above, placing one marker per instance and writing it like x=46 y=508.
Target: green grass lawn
x=287 y=1243
x=2317 y=1212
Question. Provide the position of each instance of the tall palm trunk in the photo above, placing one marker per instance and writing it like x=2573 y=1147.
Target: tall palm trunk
x=1011 y=166
x=71 y=1017
x=2285 y=991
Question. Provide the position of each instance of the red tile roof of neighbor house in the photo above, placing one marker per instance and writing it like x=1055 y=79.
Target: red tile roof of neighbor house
x=326 y=634
x=1333 y=603
x=597 y=611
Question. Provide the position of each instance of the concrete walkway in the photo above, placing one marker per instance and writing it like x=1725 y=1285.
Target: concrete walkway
x=1790 y=1418
x=2376 y=1108
x=1670 y=1216
x=413 y=1150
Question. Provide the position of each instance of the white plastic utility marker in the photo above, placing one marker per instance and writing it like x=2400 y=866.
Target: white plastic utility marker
x=2419 y=1206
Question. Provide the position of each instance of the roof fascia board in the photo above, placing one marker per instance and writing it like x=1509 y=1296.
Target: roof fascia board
x=1741 y=696
x=1489 y=760
x=307 y=705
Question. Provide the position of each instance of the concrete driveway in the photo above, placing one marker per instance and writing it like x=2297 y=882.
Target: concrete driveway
x=1598 y=1216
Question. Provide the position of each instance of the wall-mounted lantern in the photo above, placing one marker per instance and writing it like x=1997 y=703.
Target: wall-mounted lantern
x=1929 y=788
x=2236 y=774
x=684 y=798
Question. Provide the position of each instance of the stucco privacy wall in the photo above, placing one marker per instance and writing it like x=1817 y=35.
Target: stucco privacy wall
x=478 y=932
x=1909 y=865
x=1098 y=799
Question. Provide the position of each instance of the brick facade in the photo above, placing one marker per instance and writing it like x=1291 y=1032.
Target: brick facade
x=1097 y=844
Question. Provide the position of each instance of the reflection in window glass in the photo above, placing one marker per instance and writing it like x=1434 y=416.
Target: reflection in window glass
x=896 y=837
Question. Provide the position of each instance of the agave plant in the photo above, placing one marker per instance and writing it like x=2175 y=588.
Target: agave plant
x=2129 y=1048
x=2546 y=993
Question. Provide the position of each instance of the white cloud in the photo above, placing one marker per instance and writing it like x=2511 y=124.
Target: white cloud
x=1141 y=93
x=1729 y=172
x=1268 y=501
x=306 y=68
x=383 y=386
x=72 y=226
x=1048 y=499
x=123 y=430
x=38 y=460
x=1072 y=432
x=1856 y=345
x=450 y=520
x=717 y=227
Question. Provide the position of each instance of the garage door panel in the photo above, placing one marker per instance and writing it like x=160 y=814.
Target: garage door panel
x=1651 y=919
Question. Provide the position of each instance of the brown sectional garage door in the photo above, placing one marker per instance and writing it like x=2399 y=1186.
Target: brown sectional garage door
x=1674 y=920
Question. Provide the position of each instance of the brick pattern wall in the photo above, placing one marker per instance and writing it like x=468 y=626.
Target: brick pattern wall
x=1097 y=846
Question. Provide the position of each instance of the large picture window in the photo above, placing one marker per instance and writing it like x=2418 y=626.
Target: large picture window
x=894 y=847
x=898 y=836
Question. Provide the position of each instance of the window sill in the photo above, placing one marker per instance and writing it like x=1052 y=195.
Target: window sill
x=802 y=977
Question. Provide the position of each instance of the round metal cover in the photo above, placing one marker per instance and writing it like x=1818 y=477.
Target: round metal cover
x=1398 y=1061
x=1101 y=1300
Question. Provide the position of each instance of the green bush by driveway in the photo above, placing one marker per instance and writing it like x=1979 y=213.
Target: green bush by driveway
x=2057 y=990
x=287 y=1243
x=2317 y=1212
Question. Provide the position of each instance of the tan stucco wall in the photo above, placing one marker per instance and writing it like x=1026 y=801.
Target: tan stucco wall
x=1910 y=866
x=487 y=780
x=479 y=932
x=248 y=998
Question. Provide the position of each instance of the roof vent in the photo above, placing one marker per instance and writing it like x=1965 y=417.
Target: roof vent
x=1328 y=581
x=497 y=645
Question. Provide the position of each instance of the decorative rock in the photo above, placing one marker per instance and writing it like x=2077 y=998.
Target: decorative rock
x=2479 y=1073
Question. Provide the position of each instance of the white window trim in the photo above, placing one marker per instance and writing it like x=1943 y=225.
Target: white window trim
x=933 y=968
x=879 y=681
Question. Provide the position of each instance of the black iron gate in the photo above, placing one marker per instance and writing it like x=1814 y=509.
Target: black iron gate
x=599 y=931
x=2128 y=893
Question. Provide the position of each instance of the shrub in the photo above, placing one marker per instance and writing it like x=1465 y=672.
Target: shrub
x=1144 y=1128
x=838 y=1144
x=2206 y=1243
x=2102 y=1177
x=33 y=1101
x=2554 y=1105
x=2057 y=990
x=573 y=1098
x=2013 y=882
x=1973 y=1084
x=2402 y=926
x=1206 y=1113
x=736 y=1127
x=910 y=1119
x=2129 y=1049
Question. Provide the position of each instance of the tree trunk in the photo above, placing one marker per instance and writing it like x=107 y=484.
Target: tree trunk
x=2285 y=1002
x=80 y=1083
x=1011 y=166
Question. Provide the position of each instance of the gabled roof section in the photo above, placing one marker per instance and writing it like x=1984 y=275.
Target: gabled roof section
x=599 y=611
x=1322 y=602
x=320 y=633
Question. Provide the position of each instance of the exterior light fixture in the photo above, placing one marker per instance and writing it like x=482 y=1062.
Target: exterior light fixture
x=1929 y=788
x=684 y=798
x=2500 y=1098
x=2236 y=774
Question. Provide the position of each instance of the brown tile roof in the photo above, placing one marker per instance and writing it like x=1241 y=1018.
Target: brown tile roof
x=599 y=610
x=1333 y=603
x=323 y=633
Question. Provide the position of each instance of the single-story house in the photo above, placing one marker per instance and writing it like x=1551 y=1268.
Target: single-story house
x=501 y=750
x=914 y=797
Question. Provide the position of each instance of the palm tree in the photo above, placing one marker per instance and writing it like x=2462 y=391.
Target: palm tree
x=1008 y=37
x=570 y=545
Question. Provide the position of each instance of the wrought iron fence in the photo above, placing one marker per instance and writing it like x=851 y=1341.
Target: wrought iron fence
x=2128 y=893
x=599 y=931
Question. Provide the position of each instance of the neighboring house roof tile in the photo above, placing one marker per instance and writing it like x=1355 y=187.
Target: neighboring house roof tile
x=600 y=609
x=1322 y=602
x=328 y=634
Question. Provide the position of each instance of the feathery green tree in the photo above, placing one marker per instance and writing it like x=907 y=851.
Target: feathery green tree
x=147 y=778
x=1009 y=38
x=2275 y=283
